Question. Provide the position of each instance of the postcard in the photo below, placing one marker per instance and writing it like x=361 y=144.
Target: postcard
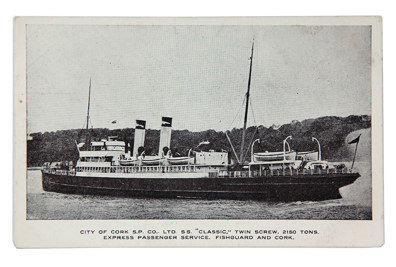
x=198 y=132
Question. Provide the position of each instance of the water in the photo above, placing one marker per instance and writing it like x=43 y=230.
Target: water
x=355 y=205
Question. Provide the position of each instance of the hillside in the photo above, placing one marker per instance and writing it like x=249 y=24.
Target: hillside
x=331 y=132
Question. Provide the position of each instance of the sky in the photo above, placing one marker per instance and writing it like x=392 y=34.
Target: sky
x=197 y=75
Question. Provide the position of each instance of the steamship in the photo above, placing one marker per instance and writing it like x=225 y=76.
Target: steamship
x=113 y=167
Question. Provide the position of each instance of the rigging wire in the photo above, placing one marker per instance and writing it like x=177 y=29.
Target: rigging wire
x=251 y=107
x=250 y=143
x=239 y=111
x=255 y=130
x=228 y=138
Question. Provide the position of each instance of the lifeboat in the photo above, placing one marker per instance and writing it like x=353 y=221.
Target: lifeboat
x=274 y=156
x=180 y=160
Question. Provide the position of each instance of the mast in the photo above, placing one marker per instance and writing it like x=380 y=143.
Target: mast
x=247 y=106
x=89 y=102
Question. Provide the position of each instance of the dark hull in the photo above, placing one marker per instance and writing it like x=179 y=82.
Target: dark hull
x=273 y=188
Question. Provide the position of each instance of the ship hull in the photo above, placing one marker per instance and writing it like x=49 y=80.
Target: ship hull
x=273 y=188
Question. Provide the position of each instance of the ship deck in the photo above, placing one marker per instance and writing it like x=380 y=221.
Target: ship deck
x=190 y=171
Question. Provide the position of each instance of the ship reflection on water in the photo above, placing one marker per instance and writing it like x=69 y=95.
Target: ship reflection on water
x=355 y=205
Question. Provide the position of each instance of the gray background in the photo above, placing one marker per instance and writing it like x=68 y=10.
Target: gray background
x=195 y=74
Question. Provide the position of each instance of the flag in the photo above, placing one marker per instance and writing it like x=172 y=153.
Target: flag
x=356 y=140
x=80 y=145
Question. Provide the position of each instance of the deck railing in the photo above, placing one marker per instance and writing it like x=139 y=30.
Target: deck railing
x=288 y=172
x=195 y=169
x=140 y=169
x=59 y=171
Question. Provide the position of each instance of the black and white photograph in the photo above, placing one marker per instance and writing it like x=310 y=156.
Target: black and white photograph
x=199 y=121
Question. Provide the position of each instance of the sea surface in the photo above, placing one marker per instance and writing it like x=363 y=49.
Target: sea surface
x=354 y=205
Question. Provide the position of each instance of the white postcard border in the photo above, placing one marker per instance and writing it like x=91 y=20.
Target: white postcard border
x=67 y=233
